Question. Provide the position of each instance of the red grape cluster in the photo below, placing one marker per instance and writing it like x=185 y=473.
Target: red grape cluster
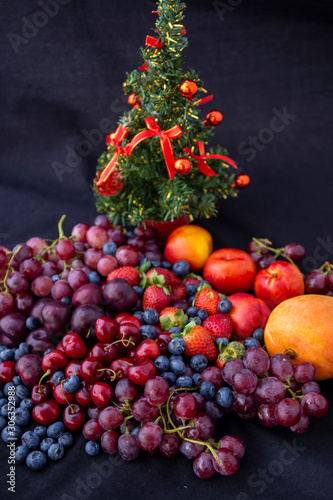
x=273 y=390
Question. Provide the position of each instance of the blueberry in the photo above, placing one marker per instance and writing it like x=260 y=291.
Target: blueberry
x=166 y=265
x=197 y=379
x=224 y=397
x=192 y=311
x=214 y=410
x=139 y=315
x=92 y=448
x=207 y=390
x=203 y=314
x=71 y=384
x=48 y=350
x=56 y=451
x=170 y=377
x=41 y=431
x=36 y=460
x=22 y=416
x=10 y=434
x=7 y=355
x=94 y=277
x=222 y=341
x=7 y=388
x=23 y=348
x=196 y=320
x=151 y=316
x=130 y=234
x=184 y=381
x=1 y=394
x=17 y=380
x=27 y=403
x=66 y=300
x=22 y=392
x=2 y=348
x=139 y=290
x=251 y=342
x=199 y=362
x=175 y=329
x=3 y=422
x=4 y=409
x=46 y=443
x=162 y=363
x=55 y=278
x=109 y=248
x=32 y=323
x=148 y=331
x=135 y=431
x=31 y=440
x=57 y=377
x=155 y=263
x=21 y=453
x=258 y=334
x=66 y=439
x=17 y=355
x=54 y=430
x=224 y=306
x=177 y=346
x=181 y=268
x=177 y=366
x=191 y=289
x=3 y=402
x=191 y=300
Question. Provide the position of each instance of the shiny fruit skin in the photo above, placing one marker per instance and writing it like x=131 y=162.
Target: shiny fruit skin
x=191 y=243
x=302 y=328
x=279 y=282
x=230 y=270
x=247 y=314
x=47 y=412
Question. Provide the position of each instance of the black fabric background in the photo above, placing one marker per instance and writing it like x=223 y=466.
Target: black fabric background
x=256 y=57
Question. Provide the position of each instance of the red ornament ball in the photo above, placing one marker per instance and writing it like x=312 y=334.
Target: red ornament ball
x=183 y=166
x=241 y=181
x=188 y=89
x=133 y=101
x=112 y=185
x=213 y=118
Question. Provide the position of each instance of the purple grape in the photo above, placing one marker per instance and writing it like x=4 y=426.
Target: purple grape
x=84 y=318
x=119 y=294
x=39 y=341
x=29 y=368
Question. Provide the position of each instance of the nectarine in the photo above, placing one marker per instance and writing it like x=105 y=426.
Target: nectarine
x=189 y=242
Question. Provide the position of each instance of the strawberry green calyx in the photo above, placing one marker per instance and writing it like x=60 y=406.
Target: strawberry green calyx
x=234 y=350
x=155 y=278
x=203 y=286
x=177 y=319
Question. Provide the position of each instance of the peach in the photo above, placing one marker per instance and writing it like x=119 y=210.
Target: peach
x=247 y=314
x=230 y=270
x=191 y=243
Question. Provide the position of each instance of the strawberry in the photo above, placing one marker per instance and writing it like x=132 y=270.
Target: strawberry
x=128 y=273
x=156 y=297
x=159 y=276
x=178 y=292
x=172 y=316
x=190 y=280
x=218 y=325
x=199 y=341
x=207 y=299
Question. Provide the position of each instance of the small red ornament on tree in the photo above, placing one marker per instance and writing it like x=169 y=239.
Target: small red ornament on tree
x=241 y=181
x=183 y=166
x=188 y=89
x=213 y=118
x=134 y=101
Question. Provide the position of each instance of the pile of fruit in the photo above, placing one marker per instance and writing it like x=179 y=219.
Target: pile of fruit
x=106 y=333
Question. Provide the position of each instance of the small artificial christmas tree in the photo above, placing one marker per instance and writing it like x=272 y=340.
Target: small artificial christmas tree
x=155 y=167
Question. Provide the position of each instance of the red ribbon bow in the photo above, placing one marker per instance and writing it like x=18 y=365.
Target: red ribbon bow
x=202 y=165
x=116 y=139
x=151 y=41
x=165 y=135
